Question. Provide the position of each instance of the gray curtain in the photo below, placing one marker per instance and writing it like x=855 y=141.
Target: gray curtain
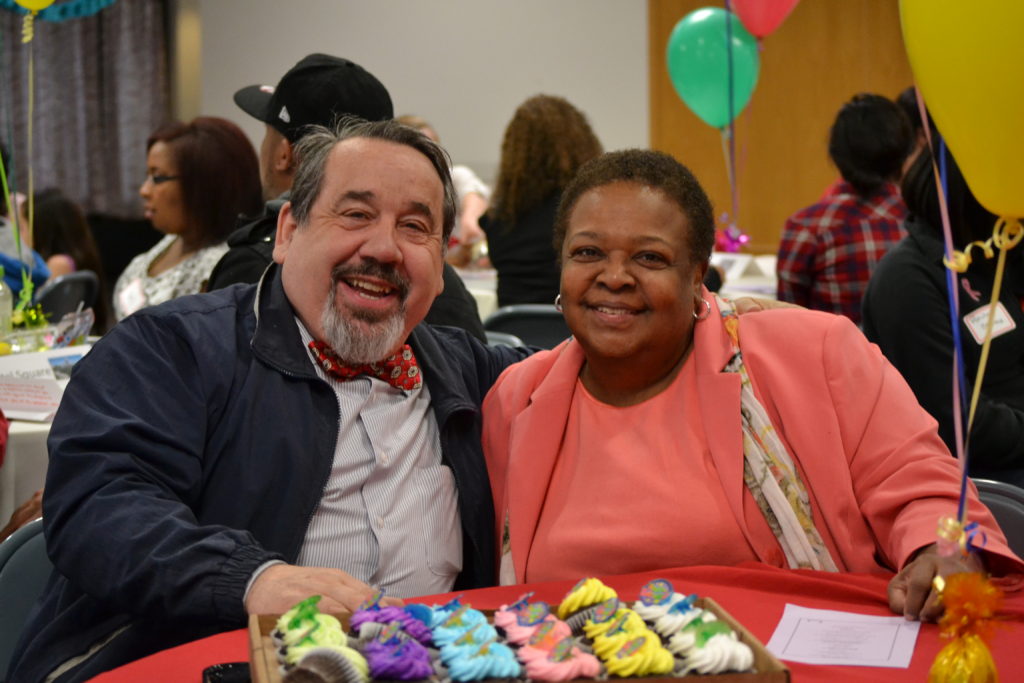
x=101 y=88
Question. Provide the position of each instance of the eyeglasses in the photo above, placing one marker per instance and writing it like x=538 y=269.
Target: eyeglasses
x=160 y=179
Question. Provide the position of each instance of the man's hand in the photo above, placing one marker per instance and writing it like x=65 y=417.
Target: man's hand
x=749 y=304
x=911 y=592
x=279 y=587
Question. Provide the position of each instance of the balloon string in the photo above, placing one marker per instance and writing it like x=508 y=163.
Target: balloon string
x=731 y=161
x=958 y=370
x=31 y=151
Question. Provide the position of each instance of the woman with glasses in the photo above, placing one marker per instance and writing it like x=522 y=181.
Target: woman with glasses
x=200 y=176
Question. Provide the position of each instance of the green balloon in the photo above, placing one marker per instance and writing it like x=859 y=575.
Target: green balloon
x=698 y=64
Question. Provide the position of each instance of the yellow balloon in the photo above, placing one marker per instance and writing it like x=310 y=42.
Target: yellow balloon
x=34 y=5
x=969 y=65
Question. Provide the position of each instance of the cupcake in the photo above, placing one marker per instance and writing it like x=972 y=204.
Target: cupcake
x=679 y=616
x=507 y=614
x=640 y=656
x=535 y=618
x=458 y=623
x=349 y=665
x=565 y=661
x=720 y=653
x=698 y=630
x=392 y=658
x=305 y=616
x=584 y=594
x=657 y=597
x=386 y=615
x=490 y=660
x=607 y=616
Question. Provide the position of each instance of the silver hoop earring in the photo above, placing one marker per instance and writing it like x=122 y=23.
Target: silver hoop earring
x=707 y=311
x=558 y=303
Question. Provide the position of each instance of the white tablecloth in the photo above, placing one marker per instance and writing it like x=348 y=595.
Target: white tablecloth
x=482 y=284
x=24 y=468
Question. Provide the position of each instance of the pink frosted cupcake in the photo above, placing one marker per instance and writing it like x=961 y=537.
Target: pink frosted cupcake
x=563 y=662
x=507 y=614
x=532 y=620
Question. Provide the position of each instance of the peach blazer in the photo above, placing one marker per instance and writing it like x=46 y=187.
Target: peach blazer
x=878 y=475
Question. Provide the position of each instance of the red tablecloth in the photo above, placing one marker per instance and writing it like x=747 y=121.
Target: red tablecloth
x=754 y=594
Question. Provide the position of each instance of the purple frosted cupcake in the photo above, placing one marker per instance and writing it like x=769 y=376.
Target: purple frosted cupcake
x=385 y=615
x=400 y=660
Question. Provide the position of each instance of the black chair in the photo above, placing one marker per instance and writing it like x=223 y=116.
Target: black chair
x=64 y=294
x=24 y=570
x=1006 y=502
x=502 y=338
x=536 y=324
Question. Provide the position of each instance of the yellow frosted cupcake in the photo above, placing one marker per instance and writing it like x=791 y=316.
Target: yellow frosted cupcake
x=584 y=594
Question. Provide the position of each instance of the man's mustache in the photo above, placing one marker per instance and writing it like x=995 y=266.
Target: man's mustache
x=373 y=269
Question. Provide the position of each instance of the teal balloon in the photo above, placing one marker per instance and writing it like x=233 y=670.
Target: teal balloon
x=698 y=64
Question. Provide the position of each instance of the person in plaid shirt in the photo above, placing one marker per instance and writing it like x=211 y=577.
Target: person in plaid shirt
x=829 y=249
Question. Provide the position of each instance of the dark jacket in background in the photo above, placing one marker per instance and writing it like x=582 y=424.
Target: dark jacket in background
x=252 y=250
x=906 y=312
x=523 y=255
x=192 y=446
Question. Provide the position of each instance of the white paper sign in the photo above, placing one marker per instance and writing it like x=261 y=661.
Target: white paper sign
x=31 y=384
x=29 y=399
x=817 y=636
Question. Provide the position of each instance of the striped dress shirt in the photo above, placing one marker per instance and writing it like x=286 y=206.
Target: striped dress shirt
x=389 y=514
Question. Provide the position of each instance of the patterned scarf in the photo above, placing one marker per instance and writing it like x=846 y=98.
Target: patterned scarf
x=769 y=473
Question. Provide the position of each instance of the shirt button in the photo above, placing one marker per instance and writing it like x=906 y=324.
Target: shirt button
x=384 y=458
x=380 y=521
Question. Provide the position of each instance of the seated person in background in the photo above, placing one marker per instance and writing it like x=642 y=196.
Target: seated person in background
x=16 y=254
x=906 y=312
x=473 y=195
x=319 y=90
x=62 y=236
x=545 y=143
x=199 y=177
x=232 y=453
x=829 y=249
x=783 y=437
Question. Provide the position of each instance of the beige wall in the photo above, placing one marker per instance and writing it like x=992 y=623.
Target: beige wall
x=826 y=51
x=463 y=64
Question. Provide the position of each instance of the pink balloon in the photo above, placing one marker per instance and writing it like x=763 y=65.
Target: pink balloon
x=762 y=17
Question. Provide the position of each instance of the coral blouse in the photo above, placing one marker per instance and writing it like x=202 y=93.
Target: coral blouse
x=621 y=495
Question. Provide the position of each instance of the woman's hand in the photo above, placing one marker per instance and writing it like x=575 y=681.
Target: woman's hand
x=912 y=593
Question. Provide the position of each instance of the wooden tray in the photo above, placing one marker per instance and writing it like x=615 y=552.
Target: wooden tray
x=265 y=669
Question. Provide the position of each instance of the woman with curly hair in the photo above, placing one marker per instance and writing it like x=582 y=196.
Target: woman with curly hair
x=546 y=142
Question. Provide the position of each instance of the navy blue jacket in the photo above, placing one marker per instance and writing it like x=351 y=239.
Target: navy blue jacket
x=192 y=445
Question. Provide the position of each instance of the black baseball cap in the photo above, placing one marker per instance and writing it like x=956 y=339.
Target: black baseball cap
x=318 y=90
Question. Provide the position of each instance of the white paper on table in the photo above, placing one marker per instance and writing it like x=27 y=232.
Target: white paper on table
x=50 y=364
x=30 y=399
x=819 y=636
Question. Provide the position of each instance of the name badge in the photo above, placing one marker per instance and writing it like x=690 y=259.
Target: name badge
x=976 y=322
x=132 y=297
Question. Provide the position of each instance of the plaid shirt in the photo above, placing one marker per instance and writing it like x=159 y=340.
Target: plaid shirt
x=829 y=249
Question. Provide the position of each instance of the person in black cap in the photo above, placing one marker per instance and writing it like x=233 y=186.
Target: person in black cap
x=318 y=90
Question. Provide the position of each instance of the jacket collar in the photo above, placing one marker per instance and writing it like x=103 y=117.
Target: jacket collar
x=276 y=340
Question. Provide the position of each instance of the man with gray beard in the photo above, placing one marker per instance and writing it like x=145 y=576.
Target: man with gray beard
x=232 y=453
